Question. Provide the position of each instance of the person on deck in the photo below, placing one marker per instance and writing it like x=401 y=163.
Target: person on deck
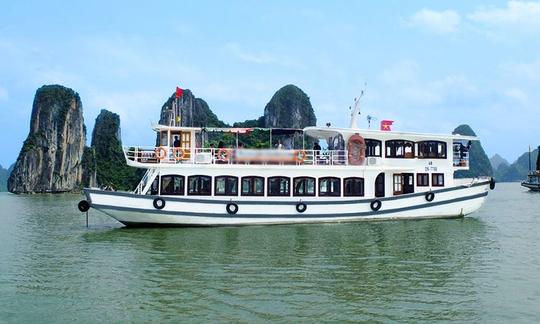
x=176 y=142
x=316 y=151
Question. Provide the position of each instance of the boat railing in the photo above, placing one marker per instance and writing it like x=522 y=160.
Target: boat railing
x=169 y=155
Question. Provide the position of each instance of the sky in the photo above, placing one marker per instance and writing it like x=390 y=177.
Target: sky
x=429 y=66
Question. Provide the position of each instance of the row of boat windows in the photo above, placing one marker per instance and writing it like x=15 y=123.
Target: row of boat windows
x=407 y=149
x=281 y=186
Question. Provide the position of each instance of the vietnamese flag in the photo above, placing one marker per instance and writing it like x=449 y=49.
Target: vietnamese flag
x=179 y=92
x=385 y=125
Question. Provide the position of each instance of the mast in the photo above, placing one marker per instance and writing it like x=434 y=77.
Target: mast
x=529 y=159
x=356 y=111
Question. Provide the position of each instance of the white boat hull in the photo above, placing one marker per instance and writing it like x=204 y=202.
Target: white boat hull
x=138 y=210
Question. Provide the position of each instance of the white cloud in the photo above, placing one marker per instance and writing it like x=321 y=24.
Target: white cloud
x=517 y=95
x=3 y=93
x=529 y=71
x=440 y=22
x=257 y=58
x=517 y=13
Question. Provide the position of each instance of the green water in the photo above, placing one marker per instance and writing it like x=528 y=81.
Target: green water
x=485 y=267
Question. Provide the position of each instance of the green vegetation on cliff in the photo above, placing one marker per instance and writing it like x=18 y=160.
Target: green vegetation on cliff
x=479 y=162
x=289 y=107
x=106 y=158
x=518 y=170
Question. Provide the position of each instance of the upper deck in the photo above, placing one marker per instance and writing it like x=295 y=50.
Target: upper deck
x=190 y=145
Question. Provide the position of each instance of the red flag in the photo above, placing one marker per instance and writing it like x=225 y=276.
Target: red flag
x=179 y=92
x=385 y=125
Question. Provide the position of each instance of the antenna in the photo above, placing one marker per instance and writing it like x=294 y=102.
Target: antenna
x=356 y=111
x=369 y=119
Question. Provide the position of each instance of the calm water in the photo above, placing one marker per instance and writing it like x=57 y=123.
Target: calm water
x=485 y=267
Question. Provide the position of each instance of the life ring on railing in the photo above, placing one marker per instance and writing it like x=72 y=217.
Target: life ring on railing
x=376 y=205
x=223 y=155
x=160 y=153
x=159 y=203
x=300 y=156
x=357 y=150
x=232 y=208
x=430 y=196
x=301 y=207
x=178 y=153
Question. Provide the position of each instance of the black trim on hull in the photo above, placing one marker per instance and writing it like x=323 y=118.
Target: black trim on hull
x=278 y=202
x=174 y=225
x=348 y=215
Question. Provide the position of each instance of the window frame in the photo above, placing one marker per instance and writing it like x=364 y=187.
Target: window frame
x=304 y=195
x=390 y=144
x=354 y=194
x=442 y=156
x=200 y=176
x=268 y=187
x=334 y=194
x=419 y=183
x=252 y=184
x=436 y=183
x=227 y=179
x=368 y=147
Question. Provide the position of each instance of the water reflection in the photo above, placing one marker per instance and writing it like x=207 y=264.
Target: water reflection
x=269 y=272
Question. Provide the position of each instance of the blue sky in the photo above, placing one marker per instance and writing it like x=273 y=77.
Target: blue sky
x=429 y=66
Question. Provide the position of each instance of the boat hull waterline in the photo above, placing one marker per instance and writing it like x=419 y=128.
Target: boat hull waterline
x=138 y=210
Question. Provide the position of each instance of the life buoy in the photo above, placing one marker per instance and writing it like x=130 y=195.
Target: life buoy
x=160 y=153
x=356 y=150
x=232 y=208
x=492 y=183
x=83 y=206
x=376 y=205
x=301 y=207
x=159 y=203
x=223 y=155
x=430 y=196
x=300 y=156
x=178 y=153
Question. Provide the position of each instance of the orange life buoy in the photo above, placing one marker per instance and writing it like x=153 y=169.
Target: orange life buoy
x=160 y=152
x=178 y=153
x=357 y=150
x=299 y=156
x=223 y=154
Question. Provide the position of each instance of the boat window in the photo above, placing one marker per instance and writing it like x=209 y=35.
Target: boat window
x=252 y=186
x=398 y=184
x=432 y=149
x=199 y=185
x=170 y=185
x=437 y=180
x=226 y=186
x=422 y=180
x=373 y=147
x=379 y=185
x=399 y=149
x=279 y=186
x=353 y=186
x=304 y=186
x=329 y=186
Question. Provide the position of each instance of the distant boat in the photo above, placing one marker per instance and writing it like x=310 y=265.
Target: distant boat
x=533 y=178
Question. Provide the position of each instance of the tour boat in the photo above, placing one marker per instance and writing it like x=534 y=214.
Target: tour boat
x=533 y=177
x=358 y=175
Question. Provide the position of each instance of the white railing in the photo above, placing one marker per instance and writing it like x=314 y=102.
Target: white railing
x=155 y=155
